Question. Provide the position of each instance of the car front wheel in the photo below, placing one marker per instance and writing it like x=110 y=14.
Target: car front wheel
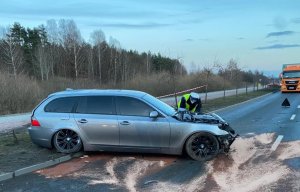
x=202 y=146
x=67 y=141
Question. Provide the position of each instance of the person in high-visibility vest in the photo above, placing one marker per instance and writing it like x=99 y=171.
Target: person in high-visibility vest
x=190 y=102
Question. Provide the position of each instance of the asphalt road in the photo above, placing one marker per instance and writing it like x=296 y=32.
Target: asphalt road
x=265 y=158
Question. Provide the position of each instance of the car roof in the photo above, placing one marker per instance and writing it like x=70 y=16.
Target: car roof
x=87 y=92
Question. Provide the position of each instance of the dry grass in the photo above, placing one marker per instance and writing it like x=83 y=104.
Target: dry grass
x=18 y=94
x=219 y=103
x=21 y=94
x=20 y=152
x=164 y=83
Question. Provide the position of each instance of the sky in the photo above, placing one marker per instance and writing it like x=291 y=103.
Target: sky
x=259 y=34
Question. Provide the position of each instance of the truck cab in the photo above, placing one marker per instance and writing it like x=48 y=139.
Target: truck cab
x=290 y=78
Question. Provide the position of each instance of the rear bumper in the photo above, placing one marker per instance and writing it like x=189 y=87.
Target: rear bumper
x=41 y=136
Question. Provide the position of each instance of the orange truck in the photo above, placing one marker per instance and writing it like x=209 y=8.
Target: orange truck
x=290 y=78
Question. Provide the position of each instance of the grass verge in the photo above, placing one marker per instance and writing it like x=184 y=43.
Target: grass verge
x=18 y=151
x=220 y=103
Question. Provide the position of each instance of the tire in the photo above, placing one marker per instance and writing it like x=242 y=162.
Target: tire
x=67 y=141
x=202 y=146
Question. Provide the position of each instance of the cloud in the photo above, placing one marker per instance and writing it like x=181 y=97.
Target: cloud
x=280 y=33
x=278 y=46
x=296 y=20
x=189 y=40
x=240 y=38
x=204 y=39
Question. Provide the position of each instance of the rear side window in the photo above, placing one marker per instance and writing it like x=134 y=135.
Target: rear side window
x=133 y=107
x=96 y=105
x=61 y=105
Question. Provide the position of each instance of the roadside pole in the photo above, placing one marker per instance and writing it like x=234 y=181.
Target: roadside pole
x=206 y=93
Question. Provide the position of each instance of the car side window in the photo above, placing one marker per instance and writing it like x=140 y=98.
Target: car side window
x=96 y=105
x=133 y=107
x=61 y=105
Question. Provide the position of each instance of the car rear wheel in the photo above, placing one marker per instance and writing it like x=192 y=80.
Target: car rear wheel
x=202 y=146
x=67 y=141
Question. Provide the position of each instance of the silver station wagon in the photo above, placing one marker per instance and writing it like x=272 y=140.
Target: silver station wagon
x=125 y=121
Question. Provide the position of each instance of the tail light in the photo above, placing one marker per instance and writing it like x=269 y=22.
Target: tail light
x=35 y=122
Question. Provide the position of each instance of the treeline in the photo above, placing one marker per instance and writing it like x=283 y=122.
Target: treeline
x=57 y=49
x=35 y=62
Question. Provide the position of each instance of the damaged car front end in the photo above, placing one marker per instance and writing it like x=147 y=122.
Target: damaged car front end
x=225 y=140
x=204 y=146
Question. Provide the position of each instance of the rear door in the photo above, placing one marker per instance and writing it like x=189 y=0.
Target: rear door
x=137 y=129
x=96 y=117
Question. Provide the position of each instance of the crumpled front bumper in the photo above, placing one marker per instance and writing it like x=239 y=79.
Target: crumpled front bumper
x=226 y=141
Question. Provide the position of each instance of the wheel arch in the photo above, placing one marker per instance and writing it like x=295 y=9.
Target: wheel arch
x=183 y=150
x=77 y=132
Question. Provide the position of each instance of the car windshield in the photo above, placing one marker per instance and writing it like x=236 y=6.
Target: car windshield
x=291 y=74
x=165 y=108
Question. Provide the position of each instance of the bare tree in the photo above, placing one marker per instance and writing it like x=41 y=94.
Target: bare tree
x=90 y=60
x=44 y=60
x=72 y=40
x=115 y=47
x=255 y=80
x=124 y=68
x=41 y=59
x=12 y=53
x=221 y=71
x=148 y=63
x=98 y=38
x=53 y=38
x=52 y=31
x=208 y=72
x=235 y=72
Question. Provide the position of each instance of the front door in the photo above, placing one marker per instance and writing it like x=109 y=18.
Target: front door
x=137 y=129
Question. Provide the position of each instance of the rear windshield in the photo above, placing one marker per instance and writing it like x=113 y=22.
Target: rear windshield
x=61 y=105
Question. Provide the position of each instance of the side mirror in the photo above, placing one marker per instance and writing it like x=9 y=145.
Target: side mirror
x=153 y=114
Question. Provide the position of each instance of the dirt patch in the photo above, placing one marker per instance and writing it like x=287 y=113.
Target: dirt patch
x=73 y=166
x=288 y=150
x=17 y=151
x=253 y=167
x=222 y=162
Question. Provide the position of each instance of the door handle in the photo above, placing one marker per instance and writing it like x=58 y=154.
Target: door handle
x=125 y=123
x=82 y=121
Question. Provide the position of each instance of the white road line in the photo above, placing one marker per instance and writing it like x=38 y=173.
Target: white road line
x=298 y=107
x=293 y=117
x=276 y=143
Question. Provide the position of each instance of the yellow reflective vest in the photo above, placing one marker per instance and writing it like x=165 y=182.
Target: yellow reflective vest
x=187 y=106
